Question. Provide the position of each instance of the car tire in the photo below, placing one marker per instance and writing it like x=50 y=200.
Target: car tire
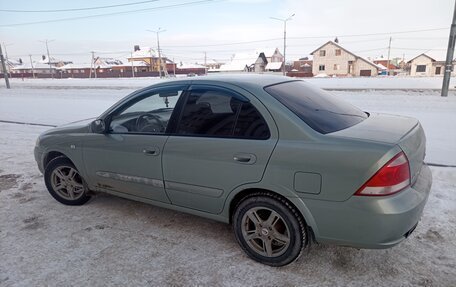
x=64 y=182
x=269 y=229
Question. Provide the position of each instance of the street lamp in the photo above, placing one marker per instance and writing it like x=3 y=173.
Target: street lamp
x=158 y=47
x=284 y=38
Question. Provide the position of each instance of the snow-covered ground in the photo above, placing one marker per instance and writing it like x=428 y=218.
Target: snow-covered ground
x=356 y=83
x=113 y=241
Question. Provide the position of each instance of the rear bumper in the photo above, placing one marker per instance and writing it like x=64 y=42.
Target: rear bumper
x=372 y=222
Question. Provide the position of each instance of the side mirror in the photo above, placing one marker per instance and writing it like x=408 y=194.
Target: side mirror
x=98 y=126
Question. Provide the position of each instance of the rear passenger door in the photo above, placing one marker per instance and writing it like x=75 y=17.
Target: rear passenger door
x=223 y=139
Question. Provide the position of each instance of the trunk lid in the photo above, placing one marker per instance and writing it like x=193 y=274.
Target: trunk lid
x=403 y=131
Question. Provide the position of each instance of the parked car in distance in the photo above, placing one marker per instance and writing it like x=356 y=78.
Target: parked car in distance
x=282 y=161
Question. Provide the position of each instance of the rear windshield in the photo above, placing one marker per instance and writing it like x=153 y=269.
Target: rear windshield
x=321 y=111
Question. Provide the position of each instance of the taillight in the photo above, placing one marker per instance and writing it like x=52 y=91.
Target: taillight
x=393 y=177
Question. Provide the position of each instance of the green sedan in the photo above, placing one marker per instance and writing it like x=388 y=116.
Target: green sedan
x=282 y=161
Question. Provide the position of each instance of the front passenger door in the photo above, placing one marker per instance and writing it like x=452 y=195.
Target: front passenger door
x=128 y=158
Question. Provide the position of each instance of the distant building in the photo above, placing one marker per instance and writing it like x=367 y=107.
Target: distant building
x=212 y=64
x=334 y=60
x=426 y=65
x=242 y=62
x=114 y=67
x=384 y=62
x=53 y=61
x=260 y=61
x=147 y=54
x=10 y=64
x=35 y=68
x=188 y=68
x=301 y=68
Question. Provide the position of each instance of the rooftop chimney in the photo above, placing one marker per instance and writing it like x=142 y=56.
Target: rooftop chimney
x=136 y=48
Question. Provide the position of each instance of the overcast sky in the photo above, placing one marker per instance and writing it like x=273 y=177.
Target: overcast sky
x=216 y=27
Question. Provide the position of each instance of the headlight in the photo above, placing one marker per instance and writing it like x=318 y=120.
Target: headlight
x=37 y=143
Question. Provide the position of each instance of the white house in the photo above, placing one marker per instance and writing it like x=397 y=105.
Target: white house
x=259 y=61
x=332 y=59
x=427 y=65
x=241 y=62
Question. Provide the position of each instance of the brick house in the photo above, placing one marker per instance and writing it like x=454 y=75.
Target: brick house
x=334 y=60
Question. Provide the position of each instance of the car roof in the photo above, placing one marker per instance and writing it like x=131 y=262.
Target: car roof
x=258 y=80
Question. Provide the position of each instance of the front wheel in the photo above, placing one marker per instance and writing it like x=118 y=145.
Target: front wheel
x=269 y=229
x=64 y=182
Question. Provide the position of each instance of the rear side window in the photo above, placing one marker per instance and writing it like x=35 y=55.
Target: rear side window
x=221 y=113
x=321 y=111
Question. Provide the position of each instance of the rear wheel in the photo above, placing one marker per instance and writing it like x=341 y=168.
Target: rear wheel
x=269 y=229
x=64 y=182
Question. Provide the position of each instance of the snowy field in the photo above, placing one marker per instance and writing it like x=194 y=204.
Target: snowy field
x=113 y=241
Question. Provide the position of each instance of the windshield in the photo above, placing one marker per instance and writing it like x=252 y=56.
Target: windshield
x=321 y=111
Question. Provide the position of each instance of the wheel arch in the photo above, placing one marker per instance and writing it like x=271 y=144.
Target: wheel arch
x=55 y=153
x=295 y=202
x=52 y=155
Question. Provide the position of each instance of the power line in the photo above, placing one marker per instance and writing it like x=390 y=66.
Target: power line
x=76 y=9
x=111 y=14
x=224 y=44
x=307 y=37
x=371 y=34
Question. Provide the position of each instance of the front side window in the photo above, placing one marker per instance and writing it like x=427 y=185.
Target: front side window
x=420 y=68
x=338 y=52
x=149 y=113
x=221 y=113
x=322 y=53
x=321 y=67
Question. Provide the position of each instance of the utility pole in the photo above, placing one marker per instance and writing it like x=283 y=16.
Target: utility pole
x=5 y=72
x=152 y=62
x=48 y=56
x=174 y=68
x=132 y=66
x=31 y=65
x=93 y=66
x=449 y=57
x=284 y=39
x=6 y=52
x=158 y=47
x=388 y=61
x=205 y=63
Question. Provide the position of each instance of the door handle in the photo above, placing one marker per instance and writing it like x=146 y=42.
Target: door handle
x=151 y=151
x=245 y=158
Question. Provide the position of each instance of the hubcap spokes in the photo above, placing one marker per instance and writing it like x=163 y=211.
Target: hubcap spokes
x=67 y=183
x=265 y=231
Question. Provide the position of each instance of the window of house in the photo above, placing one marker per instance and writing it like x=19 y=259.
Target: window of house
x=321 y=67
x=338 y=52
x=336 y=67
x=438 y=70
x=82 y=71
x=322 y=53
x=420 y=68
x=220 y=113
